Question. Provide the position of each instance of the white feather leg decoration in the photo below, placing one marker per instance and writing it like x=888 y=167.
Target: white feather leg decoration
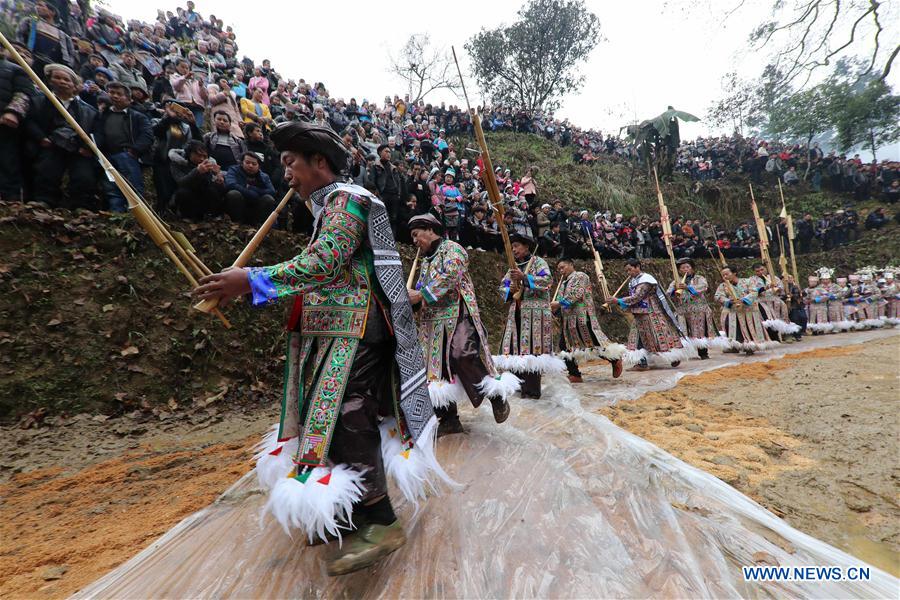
x=274 y=459
x=820 y=327
x=873 y=323
x=502 y=387
x=443 y=393
x=633 y=357
x=700 y=343
x=416 y=471
x=845 y=325
x=314 y=507
x=544 y=363
x=665 y=359
x=611 y=352
x=781 y=326
x=720 y=342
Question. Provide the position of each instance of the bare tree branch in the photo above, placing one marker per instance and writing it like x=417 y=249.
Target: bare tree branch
x=805 y=35
x=423 y=68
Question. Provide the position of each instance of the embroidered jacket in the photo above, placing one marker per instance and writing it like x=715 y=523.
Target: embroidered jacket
x=579 y=319
x=446 y=286
x=534 y=332
x=693 y=299
x=768 y=294
x=334 y=273
x=746 y=296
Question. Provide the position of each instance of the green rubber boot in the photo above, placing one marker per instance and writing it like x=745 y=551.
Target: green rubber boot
x=371 y=543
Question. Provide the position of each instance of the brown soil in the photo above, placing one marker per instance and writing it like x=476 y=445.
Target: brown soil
x=811 y=437
x=62 y=528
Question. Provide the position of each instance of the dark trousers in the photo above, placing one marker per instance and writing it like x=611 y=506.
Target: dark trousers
x=465 y=364
x=197 y=203
x=247 y=209
x=356 y=440
x=531 y=384
x=799 y=317
x=165 y=185
x=571 y=365
x=10 y=169
x=51 y=165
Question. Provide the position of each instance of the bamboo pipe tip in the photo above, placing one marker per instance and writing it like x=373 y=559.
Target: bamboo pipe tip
x=222 y=318
x=206 y=306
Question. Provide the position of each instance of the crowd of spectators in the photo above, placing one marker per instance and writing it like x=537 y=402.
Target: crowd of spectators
x=172 y=98
x=706 y=159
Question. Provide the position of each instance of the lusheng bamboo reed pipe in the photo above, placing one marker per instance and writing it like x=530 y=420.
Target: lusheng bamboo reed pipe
x=244 y=257
x=490 y=181
x=412 y=270
x=155 y=228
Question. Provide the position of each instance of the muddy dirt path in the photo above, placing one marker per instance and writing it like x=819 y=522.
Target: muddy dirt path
x=812 y=437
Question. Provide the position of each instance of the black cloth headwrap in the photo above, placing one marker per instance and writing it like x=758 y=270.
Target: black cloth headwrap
x=522 y=239
x=426 y=221
x=299 y=136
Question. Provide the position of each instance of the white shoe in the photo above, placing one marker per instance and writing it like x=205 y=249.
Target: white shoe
x=468 y=247
x=481 y=249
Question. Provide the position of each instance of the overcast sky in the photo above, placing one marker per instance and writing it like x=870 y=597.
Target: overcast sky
x=653 y=53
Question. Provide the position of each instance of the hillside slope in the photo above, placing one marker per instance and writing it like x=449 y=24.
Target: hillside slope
x=613 y=183
x=94 y=318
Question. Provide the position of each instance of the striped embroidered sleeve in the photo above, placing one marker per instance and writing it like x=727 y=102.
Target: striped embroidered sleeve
x=640 y=293
x=341 y=233
x=505 y=285
x=445 y=279
x=574 y=291
x=540 y=278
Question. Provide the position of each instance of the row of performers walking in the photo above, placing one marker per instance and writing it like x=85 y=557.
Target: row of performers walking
x=372 y=355
x=866 y=299
x=668 y=325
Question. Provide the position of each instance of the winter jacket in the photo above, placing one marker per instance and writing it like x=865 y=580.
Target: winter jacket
x=141 y=132
x=227 y=103
x=237 y=145
x=44 y=121
x=15 y=89
x=172 y=134
x=187 y=176
x=190 y=91
x=127 y=76
x=249 y=186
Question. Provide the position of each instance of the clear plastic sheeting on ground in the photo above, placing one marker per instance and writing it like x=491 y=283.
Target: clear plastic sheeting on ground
x=558 y=502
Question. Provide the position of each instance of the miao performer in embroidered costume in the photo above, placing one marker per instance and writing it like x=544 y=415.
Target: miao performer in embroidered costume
x=817 y=307
x=581 y=337
x=867 y=296
x=528 y=337
x=837 y=318
x=457 y=355
x=353 y=357
x=655 y=332
x=891 y=293
x=688 y=295
x=770 y=291
x=741 y=318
